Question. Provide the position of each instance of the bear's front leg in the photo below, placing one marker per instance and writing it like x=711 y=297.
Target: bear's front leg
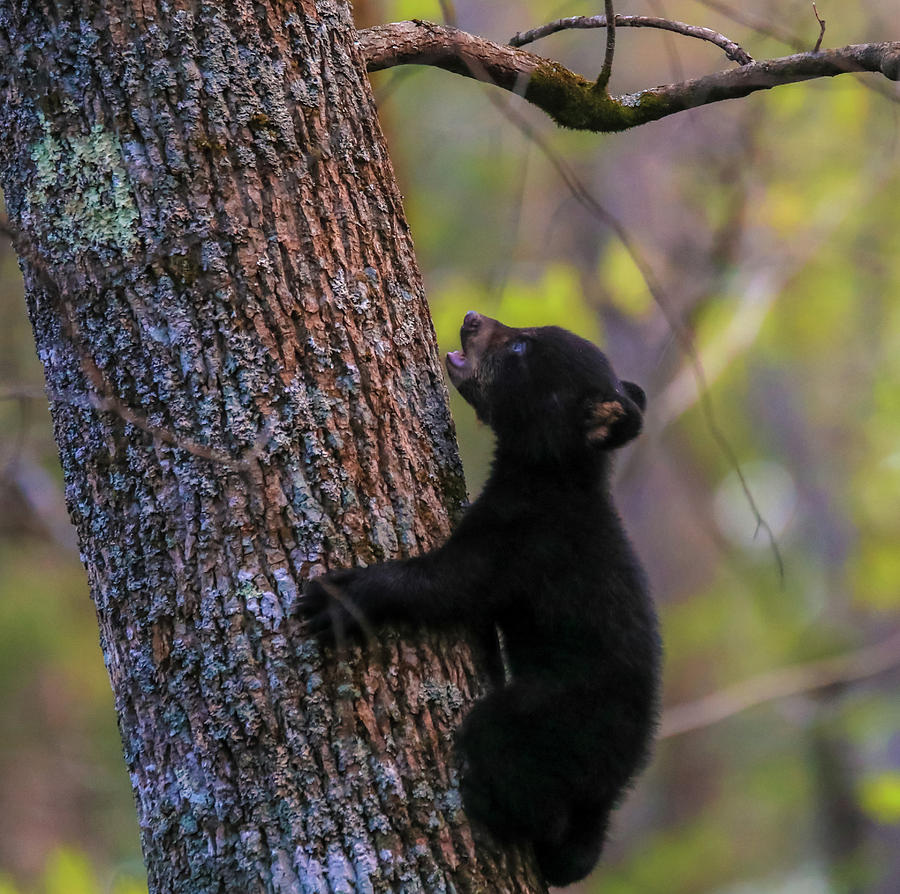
x=452 y=585
x=351 y=603
x=334 y=607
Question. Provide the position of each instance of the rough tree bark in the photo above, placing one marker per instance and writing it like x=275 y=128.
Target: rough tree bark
x=245 y=390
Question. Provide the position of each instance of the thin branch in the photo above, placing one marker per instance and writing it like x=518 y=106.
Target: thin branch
x=606 y=71
x=732 y=50
x=573 y=101
x=821 y=22
x=448 y=10
x=802 y=679
x=764 y=287
x=670 y=43
x=18 y=438
x=41 y=497
x=759 y=25
x=22 y=392
x=681 y=333
x=507 y=255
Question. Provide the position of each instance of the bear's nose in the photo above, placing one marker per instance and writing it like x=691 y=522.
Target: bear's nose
x=471 y=320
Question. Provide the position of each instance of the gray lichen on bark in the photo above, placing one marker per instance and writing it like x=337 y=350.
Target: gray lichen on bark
x=212 y=238
x=80 y=190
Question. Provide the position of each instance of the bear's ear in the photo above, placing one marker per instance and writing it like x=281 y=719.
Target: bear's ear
x=613 y=422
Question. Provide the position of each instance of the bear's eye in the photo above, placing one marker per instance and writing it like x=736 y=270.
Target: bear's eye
x=519 y=346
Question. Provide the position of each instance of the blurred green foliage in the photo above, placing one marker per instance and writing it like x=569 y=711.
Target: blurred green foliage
x=773 y=225
x=68 y=871
x=880 y=796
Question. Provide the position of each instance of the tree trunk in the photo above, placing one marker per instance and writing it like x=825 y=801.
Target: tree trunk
x=245 y=390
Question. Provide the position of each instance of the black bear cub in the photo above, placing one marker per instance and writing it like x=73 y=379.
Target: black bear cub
x=542 y=556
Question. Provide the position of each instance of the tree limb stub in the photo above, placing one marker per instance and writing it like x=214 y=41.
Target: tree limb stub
x=576 y=102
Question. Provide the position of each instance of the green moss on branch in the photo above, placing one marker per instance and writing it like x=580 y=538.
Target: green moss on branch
x=575 y=102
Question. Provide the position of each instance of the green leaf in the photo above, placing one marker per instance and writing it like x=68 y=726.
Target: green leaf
x=879 y=797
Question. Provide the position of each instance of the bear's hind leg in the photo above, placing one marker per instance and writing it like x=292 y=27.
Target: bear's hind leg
x=518 y=777
x=568 y=858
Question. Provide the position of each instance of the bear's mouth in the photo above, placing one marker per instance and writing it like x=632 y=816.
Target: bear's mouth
x=473 y=336
x=458 y=367
x=456 y=359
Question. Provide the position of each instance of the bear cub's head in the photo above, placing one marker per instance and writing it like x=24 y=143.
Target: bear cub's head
x=544 y=391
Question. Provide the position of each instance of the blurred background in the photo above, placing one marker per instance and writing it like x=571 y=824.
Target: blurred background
x=772 y=225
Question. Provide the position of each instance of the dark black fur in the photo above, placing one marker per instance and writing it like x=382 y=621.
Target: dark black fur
x=542 y=556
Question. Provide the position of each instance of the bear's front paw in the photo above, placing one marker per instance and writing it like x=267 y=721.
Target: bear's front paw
x=329 y=609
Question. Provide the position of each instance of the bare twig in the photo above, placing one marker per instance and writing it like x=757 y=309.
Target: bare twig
x=505 y=260
x=732 y=50
x=759 y=25
x=794 y=41
x=96 y=400
x=789 y=681
x=821 y=22
x=17 y=439
x=573 y=101
x=763 y=289
x=22 y=392
x=42 y=499
x=606 y=71
x=670 y=43
x=335 y=593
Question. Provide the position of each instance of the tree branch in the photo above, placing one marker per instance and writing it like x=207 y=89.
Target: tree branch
x=782 y=35
x=759 y=25
x=732 y=50
x=573 y=101
x=23 y=392
x=801 y=679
